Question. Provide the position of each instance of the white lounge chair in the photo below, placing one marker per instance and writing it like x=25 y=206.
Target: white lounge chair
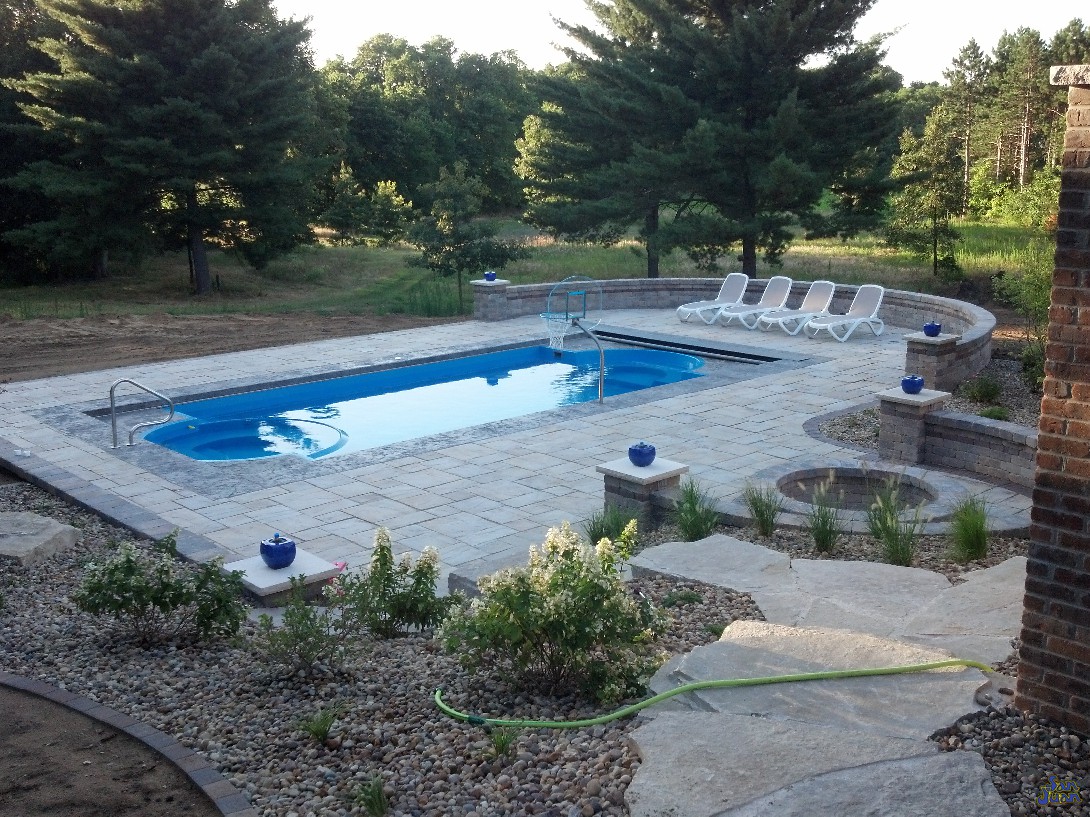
x=734 y=287
x=864 y=310
x=815 y=303
x=774 y=297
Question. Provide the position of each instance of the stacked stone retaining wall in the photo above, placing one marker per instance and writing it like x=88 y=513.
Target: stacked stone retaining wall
x=1003 y=452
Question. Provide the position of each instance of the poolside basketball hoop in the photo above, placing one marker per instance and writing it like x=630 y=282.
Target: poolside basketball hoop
x=577 y=298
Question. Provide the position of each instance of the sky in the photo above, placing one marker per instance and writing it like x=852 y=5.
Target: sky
x=929 y=32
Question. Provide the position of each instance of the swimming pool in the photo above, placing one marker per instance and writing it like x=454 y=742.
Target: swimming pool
x=346 y=414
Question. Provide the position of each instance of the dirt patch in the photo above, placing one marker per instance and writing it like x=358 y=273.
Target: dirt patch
x=44 y=347
x=58 y=763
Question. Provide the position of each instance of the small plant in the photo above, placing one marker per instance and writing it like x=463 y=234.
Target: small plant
x=984 y=389
x=995 y=413
x=678 y=597
x=765 y=504
x=823 y=519
x=155 y=598
x=371 y=797
x=716 y=629
x=608 y=523
x=695 y=512
x=969 y=530
x=319 y=724
x=563 y=621
x=402 y=594
x=896 y=535
x=308 y=636
x=503 y=740
x=1033 y=366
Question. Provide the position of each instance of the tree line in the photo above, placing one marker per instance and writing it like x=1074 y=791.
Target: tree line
x=717 y=127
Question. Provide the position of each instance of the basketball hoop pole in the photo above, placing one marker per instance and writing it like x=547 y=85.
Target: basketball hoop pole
x=601 y=359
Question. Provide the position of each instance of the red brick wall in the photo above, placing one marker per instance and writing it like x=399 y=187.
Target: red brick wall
x=1054 y=673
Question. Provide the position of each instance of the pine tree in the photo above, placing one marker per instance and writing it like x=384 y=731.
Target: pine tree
x=178 y=120
x=711 y=111
x=967 y=78
x=929 y=169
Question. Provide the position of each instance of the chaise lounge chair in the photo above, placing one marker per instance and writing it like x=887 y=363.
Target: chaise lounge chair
x=791 y=321
x=864 y=310
x=734 y=287
x=774 y=297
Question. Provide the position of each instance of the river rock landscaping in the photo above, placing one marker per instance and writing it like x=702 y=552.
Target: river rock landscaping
x=226 y=702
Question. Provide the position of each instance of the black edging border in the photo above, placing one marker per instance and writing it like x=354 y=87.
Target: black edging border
x=228 y=800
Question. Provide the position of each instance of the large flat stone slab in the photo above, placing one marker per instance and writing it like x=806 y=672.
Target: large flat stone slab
x=28 y=539
x=867 y=597
x=975 y=619
x=721 y=560
x=699 y=764
x=950 y=784
x=909 y=705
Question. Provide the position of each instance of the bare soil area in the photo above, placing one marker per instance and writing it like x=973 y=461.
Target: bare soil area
x=44 y=347
x=57 y=762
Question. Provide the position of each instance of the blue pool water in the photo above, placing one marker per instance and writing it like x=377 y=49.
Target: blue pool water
x=354 y=413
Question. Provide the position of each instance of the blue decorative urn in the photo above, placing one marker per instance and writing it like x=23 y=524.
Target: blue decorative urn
x=490 y=276
x=912 y=384
x=278 y=552
x=932 y=329
x=641 y=454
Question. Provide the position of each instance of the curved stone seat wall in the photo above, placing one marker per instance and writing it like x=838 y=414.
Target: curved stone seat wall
x=500 y=300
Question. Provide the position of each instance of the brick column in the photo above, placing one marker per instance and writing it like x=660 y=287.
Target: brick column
x=902 y=435
x=934 y=359
x=1054 y=673
x=490 y=299
x=633 y=488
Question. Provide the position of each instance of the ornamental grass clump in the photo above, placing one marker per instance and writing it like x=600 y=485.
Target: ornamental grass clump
x=563 y=621
x=695 y=512
x=765 y=504
x=823 y=518
x=896 y=535
x=608 y=523
x=154 y=597
x=969 y=530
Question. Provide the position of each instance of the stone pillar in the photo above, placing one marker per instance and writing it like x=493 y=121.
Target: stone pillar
x=1054 y=672
x=901 y=431
x=630 y=487
x=490 y=299
x=933 y=359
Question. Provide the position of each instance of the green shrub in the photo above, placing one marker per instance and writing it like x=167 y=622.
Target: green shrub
x=823 y=519
x=995 y=413
x=695 y=512
x=1033 y=366
x=155 y=598
x=969 y=530
x=563 y=621
x=309 y=636
x=983 y=389
x=765 y=504
x=402 y=595
x=608 y=523
x=897 y=536
x=678 y=597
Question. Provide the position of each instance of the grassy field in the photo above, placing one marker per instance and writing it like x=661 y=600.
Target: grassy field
x=360 y=280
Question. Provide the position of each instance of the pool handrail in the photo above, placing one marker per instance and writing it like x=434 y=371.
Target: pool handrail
x=132 y=431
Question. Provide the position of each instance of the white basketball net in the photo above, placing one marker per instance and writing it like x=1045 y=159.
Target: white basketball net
x=557 y=324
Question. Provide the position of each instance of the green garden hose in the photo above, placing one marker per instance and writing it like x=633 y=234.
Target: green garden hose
x=632 y=709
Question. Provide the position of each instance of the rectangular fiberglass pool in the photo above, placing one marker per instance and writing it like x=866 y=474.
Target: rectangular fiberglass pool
x=354 y=413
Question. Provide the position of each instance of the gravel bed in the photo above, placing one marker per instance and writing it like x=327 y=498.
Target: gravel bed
x=222 y=701
x=860 y=428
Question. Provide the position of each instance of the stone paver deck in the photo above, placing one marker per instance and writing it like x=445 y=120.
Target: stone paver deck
x=479 y=493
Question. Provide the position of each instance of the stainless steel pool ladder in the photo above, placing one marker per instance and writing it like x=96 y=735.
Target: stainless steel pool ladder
x=601 y=359
x=133 y=430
